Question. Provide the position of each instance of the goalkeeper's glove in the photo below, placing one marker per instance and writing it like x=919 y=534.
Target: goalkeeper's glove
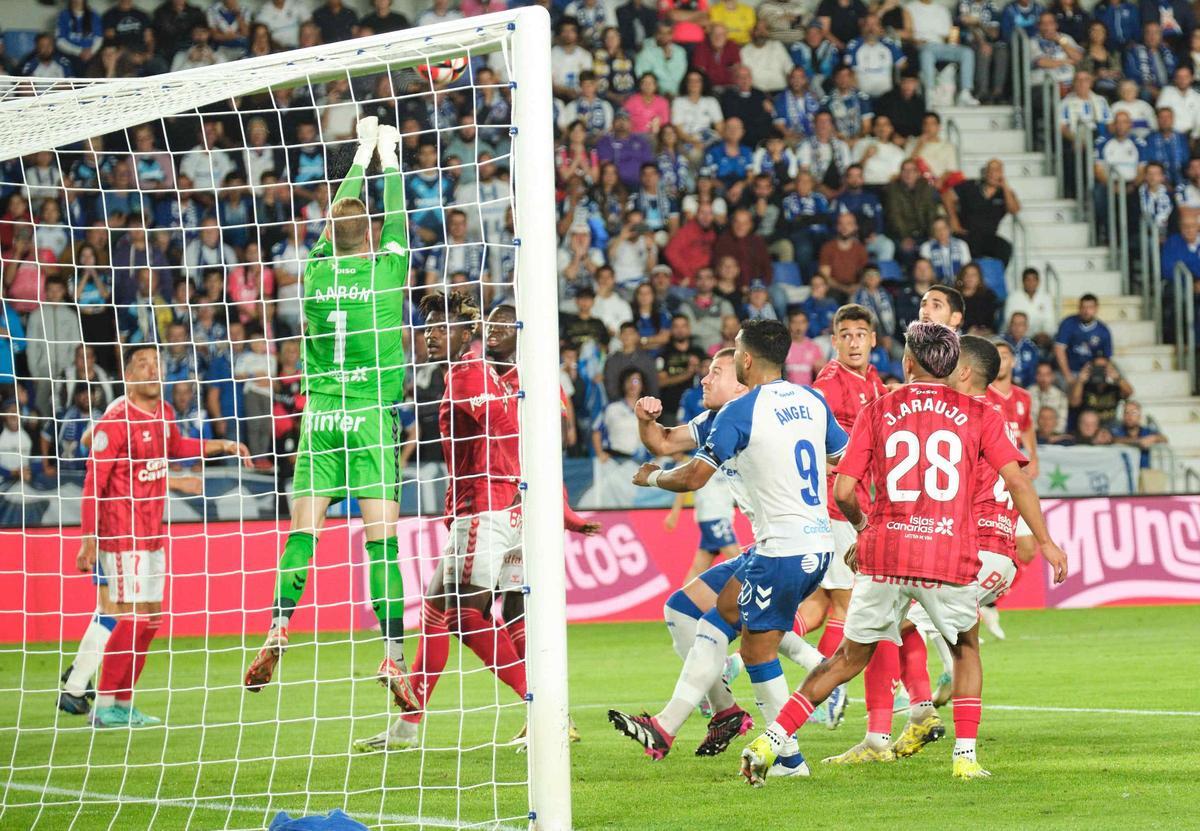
x=368 y=135
x=389 y=146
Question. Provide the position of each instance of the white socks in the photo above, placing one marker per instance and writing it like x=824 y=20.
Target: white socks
x=91 y=650
x=964 y=749
x=799 y=651
x=701 y=669
x=879 y=741
x=682 y=628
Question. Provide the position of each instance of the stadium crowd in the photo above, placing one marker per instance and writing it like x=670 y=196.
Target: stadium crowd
x=716 y=162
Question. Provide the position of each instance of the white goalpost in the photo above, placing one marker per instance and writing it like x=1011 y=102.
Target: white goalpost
x=178 y=210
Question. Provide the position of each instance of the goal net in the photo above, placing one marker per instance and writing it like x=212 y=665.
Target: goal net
x=182 y=211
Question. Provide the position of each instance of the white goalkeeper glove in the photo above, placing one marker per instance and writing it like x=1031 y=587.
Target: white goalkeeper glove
x=389 y=147
x=368 y=135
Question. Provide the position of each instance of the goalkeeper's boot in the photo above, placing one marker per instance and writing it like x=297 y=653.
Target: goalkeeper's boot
x=945 y=688
x=965 y=768
x=401 y=735
x=862 y=753
x=392 y=677
x=645 y=731
x=110 y=717
x=263 y=666
x=990 y=616
x=723 y=728
x=917 y=733
x=139 y=719
x=757 y=760
x=835 y=707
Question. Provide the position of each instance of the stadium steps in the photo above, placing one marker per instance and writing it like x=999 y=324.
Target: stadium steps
x=1057 y=237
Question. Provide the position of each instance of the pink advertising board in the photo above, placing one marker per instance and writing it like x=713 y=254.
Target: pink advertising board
x=1122 y=551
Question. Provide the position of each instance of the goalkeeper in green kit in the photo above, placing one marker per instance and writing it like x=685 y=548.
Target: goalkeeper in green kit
x=350 y=430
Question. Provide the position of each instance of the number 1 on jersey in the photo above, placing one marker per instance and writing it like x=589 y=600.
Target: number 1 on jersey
x=338 y=319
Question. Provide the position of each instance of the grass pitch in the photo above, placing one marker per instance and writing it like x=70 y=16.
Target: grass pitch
x=1091 y=721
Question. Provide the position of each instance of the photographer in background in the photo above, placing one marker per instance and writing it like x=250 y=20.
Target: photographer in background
x=1099 y=386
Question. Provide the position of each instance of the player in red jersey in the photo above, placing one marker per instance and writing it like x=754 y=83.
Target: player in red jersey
x=124 y=493
x=921 y=447
x=849 y=383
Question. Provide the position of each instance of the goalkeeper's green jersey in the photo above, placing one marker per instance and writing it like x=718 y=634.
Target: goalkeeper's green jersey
x=354 y=307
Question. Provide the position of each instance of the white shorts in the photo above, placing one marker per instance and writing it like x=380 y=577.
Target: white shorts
x=879 y=604
x=839 y=575
x=484 y=550
x=135 y=576
x=996 y=574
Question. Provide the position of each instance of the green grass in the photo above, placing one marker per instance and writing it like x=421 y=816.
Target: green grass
x=1050 y=769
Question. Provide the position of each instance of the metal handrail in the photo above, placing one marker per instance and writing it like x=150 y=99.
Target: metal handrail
x=954 y=136
x=1151 y=261
x=1191 y=480
x=1085 y=176
x=1055 y=284
x=1162 y=457
x=1053 y=138
x=1020 y=254
x=1115 y=197
x=1185 y=321
x=1022 y=84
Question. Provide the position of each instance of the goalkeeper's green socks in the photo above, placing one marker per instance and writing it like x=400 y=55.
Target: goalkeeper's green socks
x=292 y=576
x=387 y=593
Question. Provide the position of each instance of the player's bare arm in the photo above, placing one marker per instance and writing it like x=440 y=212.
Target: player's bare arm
x=690 y=477
x=659 y=440
x=1025 y=500
x=846 y=497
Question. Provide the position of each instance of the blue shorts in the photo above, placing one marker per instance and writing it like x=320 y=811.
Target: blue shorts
x=717 y=576
x=774 y=587
x=98 y=578
x=715 y=534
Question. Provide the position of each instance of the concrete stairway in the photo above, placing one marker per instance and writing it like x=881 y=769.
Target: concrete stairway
x=1058 y=237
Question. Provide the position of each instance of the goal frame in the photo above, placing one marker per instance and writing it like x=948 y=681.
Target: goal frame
x=67 y=111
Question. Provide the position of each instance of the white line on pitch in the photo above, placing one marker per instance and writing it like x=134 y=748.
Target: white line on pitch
x=202 y=804
x=1012 y=707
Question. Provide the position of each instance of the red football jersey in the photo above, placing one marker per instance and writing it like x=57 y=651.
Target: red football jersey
x=478 y=421
x=922 y=446
x=1017 y=408
x=125 y=489
x=847 y=393
x=996 y=518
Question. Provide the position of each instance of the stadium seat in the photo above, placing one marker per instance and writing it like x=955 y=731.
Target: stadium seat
x=993 y=276
x=890 y=271
x=787 y=274
x=18 y=43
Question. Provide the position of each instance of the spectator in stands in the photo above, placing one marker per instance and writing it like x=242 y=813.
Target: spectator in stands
x=746 y=247
x=982 y=305
x=911 y=205
x=230 y=28
x=1037 y=305
x=632 y=252
x=976 y=207
x=931 y=31
x=737 y=18
x=908 y=299
x=1150 y=64
x=819 y=307
x=746 y=102
x=631 y=354
x=1081 y=339
x=85 y=372
x=1122 y=22
x=979 y=21
x=717 y=56
x=706 y=310
x=1182 y=247
x=627 y=150
x=871 y=295
x=1131 y=431
x=938 y=156
x=796 y=106
x=816 y=55
x=1167 y=146
x=283 y=18
x=804 y=222
x=868 y=210
x=53 y=335
x=696 y=115
x=61 y=448
x=616 y=434
x=568 y=60
x=824 y=155
x=874 y=58
x=206 y=251
x=583 y=330
x=690 y=249
x=1187 y=192
x=1026 y=355
x=758 y=303
x=945 y=252
x=613 y=67
x=45 y=61
x=1121 y=155
x=1049 y=431
x=1090 y=430
x=1174 y=17
x=1154 y=200
x=648 y=111
x=652 y=320
x=776 y=166
x=592 y=111
x=16 y=447
x=905 y=106
x=851 y=108
x=439 y=12
x=664 y=57
x=79 y=33
x=610 y=308
x=1101 y=62
x=678 y=362
x=767 y=59
x=805 y=358
x=1083 y=106
x=839 y=20
x=1054 y=54
x=1045 y=394
x=843 y=258
x=637 y=21
x=1182 y=100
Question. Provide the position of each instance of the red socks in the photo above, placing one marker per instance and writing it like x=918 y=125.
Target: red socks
x=432 y=653
x=879 y=679
x=795 y=713
x=516 y=632
x=831 y=638
x=799 y=626
x=493 y=646
x=125 y=655
x=914 y=667
x=967 y=712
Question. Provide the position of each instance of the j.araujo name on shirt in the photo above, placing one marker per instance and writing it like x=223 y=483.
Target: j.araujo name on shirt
x=925 y=405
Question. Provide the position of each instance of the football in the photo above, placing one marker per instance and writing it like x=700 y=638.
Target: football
x=443 y=72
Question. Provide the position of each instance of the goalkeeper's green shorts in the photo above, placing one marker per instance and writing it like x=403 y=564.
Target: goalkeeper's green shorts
x=348 y=448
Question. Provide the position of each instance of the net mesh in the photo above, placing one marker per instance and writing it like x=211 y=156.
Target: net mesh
x=179 y=211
